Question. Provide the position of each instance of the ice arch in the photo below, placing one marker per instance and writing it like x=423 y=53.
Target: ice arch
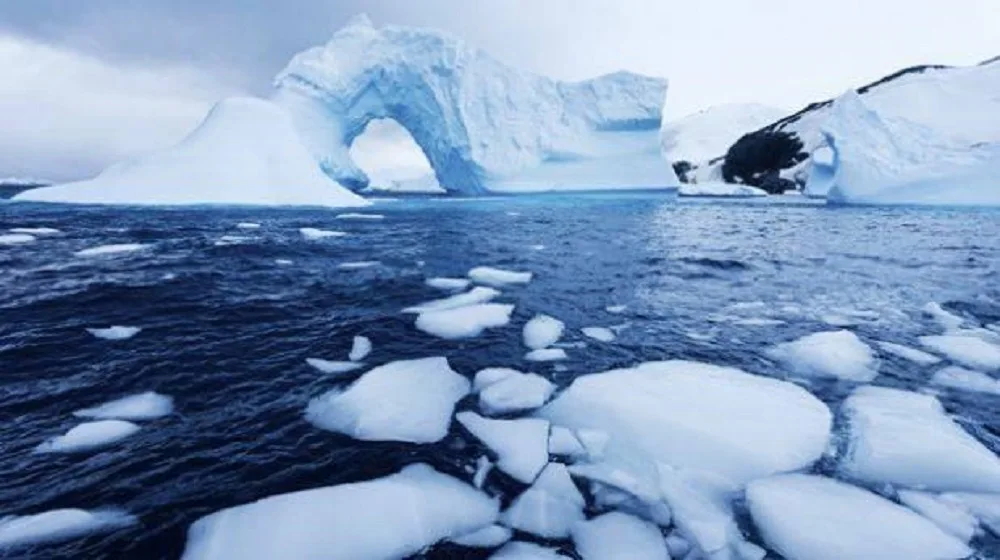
x=483 y=125
x=391 y=158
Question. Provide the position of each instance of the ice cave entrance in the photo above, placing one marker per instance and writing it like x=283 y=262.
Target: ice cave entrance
x=392 y=159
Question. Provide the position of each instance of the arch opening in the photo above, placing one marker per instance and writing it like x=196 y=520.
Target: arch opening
x=391 y=158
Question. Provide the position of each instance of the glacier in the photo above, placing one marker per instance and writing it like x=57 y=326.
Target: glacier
x=484 y=126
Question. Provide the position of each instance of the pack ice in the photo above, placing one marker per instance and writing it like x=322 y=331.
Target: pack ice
x=482 y=125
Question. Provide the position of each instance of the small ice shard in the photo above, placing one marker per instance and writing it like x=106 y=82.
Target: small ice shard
x=616 y=309
x=542 y=331
x=361 y=346
x=59 y=525
x=313 y=234
x=918 y=357
x=464 y=322
x=89 y=436
x=839 y=354
x=410 y=401
x=116 y=249
x=563 y=442
x=546 y=355
x=608 y=536
x=948 y=321
x=963 y=379
x=498 y=278
x=805 y=517
x=483 y=468
x=487 y=537
x=968 y=351
x=283 y=262
x=450 y=284
x=248 y=225
x=486 y=377
x=333 y=367
x=519 y=550
x=35 y=230
x=522 y=446
x=16 y=238
x=906 y=439
x=951 y=518
x=357 y=265
x=143 y=406
x=515 y=393
x=392 y=517
x=360 y=216
x=227 y=240
x=600 y=334
x=116 y=332
x=537 y=247
x=549 y=508
x=473 y=297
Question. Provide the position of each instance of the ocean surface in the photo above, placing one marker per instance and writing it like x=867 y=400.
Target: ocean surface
x=227 y=329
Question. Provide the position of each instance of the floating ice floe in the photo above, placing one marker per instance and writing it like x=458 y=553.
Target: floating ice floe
x=35 y=230
x=451 y=284
x=963 y=379
x=475 y=296
x=227 y=240
x=464 y=322
x=497 y=277
x=89 y=436
x=546 y=355
x=248 y=225
x=59 y=525
x=614 y=535
x=522 y=446
x=519 y=550
x=616 y=309
x=143 y=406
x=906 y=439
x=16 y=238
x=969 y=351
x=358 y=265
x=360 y=216
x=839 y=354
x=283 y=262
x=361 y=346
x=313 y=234
x=514 y=393
x=918 y=357
x=542 y=331
x=549 y=508
x=486 y=377
x=116 y=332
x=116 y=249
x=333 y=367
x=487 y=537
x=600 y=334
x=697 y=416
x=410 y=401
x=391 y=517
x=806 y=517
x=950 y=518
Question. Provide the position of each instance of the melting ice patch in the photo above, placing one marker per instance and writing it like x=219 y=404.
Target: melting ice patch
x=839 y=354
x=464 y=322
x=116 y=332
x=116 y=249
x=89 y=436
x=59 y=525
x=497 y=277
x=143 y=406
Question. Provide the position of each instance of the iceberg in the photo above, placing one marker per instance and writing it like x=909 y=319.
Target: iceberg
x=392 y=517
x=549 y=508
x=484 y=127
x=143 y=406
x=522 y=446
x=116 y=332
x=609 y=536
x=839 y=354
x=59 y=525
x=89 y=436
x=246 y=151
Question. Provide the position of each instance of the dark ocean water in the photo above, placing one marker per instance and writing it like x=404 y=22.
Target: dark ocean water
x=226 y=329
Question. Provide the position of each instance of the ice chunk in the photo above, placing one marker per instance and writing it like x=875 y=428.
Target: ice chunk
x=951 y=518
x=497 y=277
x=16 y=238
x=248 y=225
x=227 y=240
x=35 y=230
x=563 y=442
x=332 y=367
x=116 y=249
x=357 y=265
x=906 y=439
x=409 y=400
x=59 y=525
x=526 y=551
x=542 y=331
x=546 y=355
x=283 y=262
x=522 y=446
x=487 y=537
x=392 y=517
x=523 y=391
x=594 y=441
x=116 y=332
x=475 y=296
x=451 y=284
x=361 y=346
x=615 y=534
x=89 y=436
x=918 y=357
x=313 y=234
x=966 y=380
x=616 y=309
x=697 y=416
x=702 y=512
x=360 y=216
x=600 y=334
x=839 y=354
x=720 y=190
x=464 y=322
x=143 y=406
x=969 y=351
x=549 y=508
x=813 y=518
x=486 y=377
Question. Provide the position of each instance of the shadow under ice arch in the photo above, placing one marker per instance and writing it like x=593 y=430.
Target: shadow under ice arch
x=482 y=125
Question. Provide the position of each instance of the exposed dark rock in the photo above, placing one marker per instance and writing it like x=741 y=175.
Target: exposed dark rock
x=760 y=154
x=682 y=168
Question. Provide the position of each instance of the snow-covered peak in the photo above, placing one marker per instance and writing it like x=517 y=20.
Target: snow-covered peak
x=708 y=133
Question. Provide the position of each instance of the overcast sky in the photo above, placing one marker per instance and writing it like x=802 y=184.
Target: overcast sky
x=87 y=82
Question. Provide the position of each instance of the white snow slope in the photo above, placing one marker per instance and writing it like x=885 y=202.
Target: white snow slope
x=484 y=126
x=709 y=133
x=246 y=151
